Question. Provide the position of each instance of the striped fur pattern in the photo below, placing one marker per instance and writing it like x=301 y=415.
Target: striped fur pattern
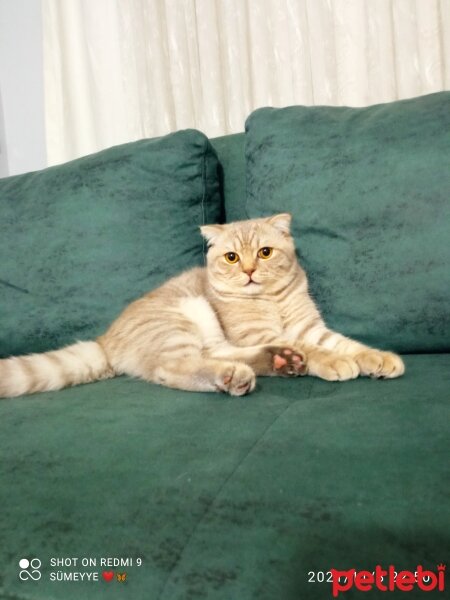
x=247 y=313
x=80 y=363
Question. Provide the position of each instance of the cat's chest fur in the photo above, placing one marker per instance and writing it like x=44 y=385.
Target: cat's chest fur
x=251 y=319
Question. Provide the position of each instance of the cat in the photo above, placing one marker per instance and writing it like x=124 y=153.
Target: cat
x=247 y=313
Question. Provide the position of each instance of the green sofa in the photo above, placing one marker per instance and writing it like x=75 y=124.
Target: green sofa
x=123 y=489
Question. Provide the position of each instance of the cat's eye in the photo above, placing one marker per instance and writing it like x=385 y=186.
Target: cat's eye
x=265 y=252
x=231 y=257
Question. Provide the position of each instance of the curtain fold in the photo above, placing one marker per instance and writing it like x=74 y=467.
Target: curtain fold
x=119 y=71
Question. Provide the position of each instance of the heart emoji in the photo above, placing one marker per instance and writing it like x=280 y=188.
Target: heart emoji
x=108 y=575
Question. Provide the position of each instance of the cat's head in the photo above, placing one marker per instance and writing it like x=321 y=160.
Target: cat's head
x=251 y=257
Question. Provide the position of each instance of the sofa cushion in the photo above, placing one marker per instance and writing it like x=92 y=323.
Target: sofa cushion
x=226 y=498
x=81 y=240
x=369 y=190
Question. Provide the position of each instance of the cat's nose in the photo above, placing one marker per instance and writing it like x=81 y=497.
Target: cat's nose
x=249 y=271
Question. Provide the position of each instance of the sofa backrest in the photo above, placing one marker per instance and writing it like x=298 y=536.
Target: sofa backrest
x=369 y=190
x=80 y=241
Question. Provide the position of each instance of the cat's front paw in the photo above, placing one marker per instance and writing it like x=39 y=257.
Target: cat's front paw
x=376 y=363
x=287 y=362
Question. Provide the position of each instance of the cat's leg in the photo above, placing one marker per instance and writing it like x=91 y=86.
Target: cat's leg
x=335 y=357
x=171 y=351
x=279 y=360
x=199 y=374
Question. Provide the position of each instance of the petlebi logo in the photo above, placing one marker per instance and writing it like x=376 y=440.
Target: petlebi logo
x=388 y=580
x=29 y=569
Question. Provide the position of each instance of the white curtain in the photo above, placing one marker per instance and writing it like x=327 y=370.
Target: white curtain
x=120 y=70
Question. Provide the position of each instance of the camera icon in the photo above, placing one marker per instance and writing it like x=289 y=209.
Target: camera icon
x=30 y=569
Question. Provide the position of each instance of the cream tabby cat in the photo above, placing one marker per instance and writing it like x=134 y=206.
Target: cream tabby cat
x=247 y=313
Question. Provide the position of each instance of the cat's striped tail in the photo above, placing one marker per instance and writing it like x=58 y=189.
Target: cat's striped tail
x=82 y=362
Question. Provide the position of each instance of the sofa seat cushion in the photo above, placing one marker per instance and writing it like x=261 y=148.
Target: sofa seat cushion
x=369 y=190
x=226 y=497
x=80 y=241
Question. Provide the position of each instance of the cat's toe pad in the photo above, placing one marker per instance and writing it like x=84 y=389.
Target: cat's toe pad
x=288 y=362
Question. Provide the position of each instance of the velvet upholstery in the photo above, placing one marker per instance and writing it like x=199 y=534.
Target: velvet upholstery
x=79 y=241
x=369 y=191
x=226 y=498
x=222 y=498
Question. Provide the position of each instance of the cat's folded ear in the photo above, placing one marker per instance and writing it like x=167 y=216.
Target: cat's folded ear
x=210 y=232
x=282 y=222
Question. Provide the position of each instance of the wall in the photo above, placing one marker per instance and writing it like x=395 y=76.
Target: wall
x=22 y=128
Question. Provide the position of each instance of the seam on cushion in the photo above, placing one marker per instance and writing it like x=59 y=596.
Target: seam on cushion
x=221 y=488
